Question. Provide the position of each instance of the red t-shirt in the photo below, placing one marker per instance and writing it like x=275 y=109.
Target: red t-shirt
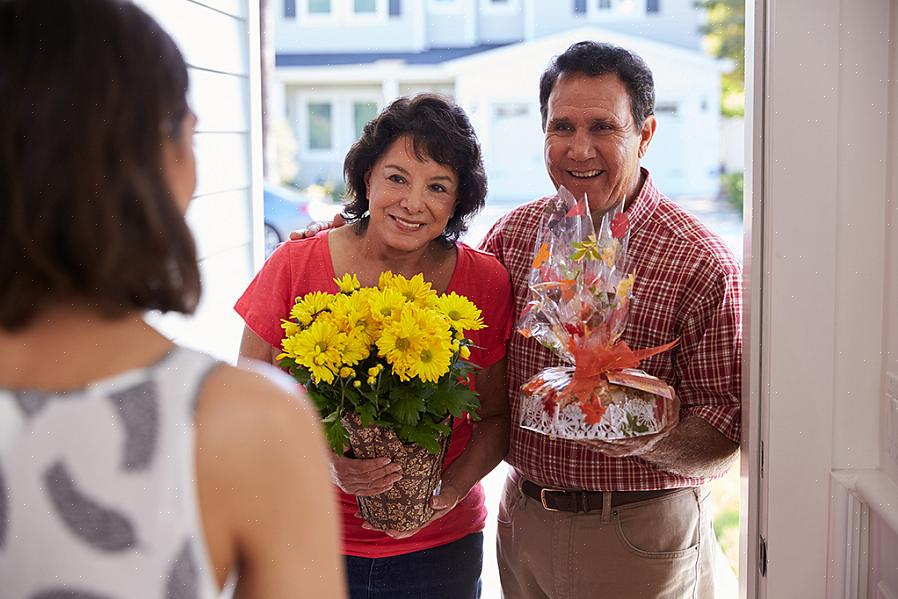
x=300 y=267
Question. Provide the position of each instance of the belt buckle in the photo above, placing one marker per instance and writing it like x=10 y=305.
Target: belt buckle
x=542 y=498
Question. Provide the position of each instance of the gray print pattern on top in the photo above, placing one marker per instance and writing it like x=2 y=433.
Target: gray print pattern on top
x=183 y=576
x=4 y=510
x=66 y=594
x=98 y=526
x=139 y=409
x=32 y=402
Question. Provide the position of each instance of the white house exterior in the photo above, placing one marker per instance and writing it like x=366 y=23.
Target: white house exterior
x=339 y=61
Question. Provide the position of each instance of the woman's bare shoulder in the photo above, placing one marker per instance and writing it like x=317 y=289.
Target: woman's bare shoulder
x=246 y=406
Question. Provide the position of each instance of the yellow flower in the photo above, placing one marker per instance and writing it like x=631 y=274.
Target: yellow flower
x=433 y=360
x=356 y=383
x=415 y=290
x=401 y=340
x=464 y=352
x=372 y=380
x=348 y=283
x=375 y=370
x=307 y=308
x=385 y=303
x=463 y=314
x=384 y=280
x=346 y=372
x=318 y=348
x=290 y=327
x=357 y=347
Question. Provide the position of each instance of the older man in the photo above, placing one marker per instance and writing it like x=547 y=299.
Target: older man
x=626 y=519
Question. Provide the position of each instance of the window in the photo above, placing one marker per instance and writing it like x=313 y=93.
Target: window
x=445 y=5
x=364 y=7
x=289 y=9
x=362 y=112
x=668 y=109
x=652 y=6
x=617 y=9
x=500 y=7
x=321 y=127
x=319 y=7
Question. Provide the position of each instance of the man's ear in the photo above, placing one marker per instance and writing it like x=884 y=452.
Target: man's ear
x=645 y=136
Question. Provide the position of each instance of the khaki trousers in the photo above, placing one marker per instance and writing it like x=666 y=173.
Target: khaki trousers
x=660 y=548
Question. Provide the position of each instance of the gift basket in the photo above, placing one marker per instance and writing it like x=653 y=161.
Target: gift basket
x=580 y=294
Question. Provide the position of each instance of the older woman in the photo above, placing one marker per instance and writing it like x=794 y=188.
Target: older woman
x=125 y=468
x=414 y=178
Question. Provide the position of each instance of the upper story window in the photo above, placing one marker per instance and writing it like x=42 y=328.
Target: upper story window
x=330 y=12
x=500 y=6
x=289 y=9
x=652 y=6
x=602 y=10
x=364 y=7
x=445 y=5
x=319 y=7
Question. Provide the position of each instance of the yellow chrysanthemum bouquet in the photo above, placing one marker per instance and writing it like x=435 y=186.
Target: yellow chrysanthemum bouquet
x=387 y=369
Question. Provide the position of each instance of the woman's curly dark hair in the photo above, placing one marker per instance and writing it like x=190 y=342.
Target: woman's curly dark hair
x=439 y=130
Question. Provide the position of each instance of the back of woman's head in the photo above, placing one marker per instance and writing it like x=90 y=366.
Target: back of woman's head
x=91 y=91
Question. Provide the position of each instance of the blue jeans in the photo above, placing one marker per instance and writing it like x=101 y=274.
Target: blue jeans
x=447 y=572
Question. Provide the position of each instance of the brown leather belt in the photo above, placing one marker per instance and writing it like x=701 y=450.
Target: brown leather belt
x=562 y=500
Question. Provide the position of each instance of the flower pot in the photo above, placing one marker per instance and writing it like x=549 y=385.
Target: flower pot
x=407 y=504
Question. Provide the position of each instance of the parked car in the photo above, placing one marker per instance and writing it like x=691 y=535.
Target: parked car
x=289 y=209
x=285 y=210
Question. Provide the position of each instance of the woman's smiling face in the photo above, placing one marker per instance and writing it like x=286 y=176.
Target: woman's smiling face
x=410 y=200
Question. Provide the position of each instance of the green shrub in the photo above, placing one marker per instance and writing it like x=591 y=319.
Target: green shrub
x=731 y=186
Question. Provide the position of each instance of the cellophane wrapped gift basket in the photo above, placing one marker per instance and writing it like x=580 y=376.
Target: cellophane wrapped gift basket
x=580 y=294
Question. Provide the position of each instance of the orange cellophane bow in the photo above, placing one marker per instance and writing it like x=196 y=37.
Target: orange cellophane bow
x=593 y=359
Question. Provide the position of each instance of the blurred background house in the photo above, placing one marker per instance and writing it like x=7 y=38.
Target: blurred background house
x=337 y=62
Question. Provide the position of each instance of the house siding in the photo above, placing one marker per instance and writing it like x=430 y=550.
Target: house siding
x=222 y=214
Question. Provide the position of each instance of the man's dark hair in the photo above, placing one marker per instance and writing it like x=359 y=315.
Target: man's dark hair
x=600 y=58
x=90 y=90
x=439 y=130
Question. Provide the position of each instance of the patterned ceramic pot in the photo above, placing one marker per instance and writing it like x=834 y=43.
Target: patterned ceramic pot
x=407 y=504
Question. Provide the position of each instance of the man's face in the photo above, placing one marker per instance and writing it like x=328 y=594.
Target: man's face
x=593 y=145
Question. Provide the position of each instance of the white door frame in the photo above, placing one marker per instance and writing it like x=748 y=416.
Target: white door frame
x=752 y=514
x=817 y=118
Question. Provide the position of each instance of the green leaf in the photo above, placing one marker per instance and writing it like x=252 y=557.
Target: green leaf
x=336 y=435
x=422 y=436
x=366 y=413
x=321 y=401
x=406 y=406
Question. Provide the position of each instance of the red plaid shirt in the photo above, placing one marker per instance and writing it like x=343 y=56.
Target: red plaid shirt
x=688 y=286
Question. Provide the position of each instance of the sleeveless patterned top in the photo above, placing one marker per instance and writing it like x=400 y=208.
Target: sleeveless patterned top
x=98 y=497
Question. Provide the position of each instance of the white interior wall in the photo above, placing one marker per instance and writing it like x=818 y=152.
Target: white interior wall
x=824 y=249
x=219 y=40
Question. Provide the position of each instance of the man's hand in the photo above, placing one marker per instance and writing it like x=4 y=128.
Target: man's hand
x=641 y=445
x=314 y=228
x=442 y=504
x=364 y=477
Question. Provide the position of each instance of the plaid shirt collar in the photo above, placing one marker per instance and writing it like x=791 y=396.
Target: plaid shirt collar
x=645 y=203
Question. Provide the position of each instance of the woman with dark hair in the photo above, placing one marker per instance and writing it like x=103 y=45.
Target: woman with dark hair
x=414 y=178
x=126 y=466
